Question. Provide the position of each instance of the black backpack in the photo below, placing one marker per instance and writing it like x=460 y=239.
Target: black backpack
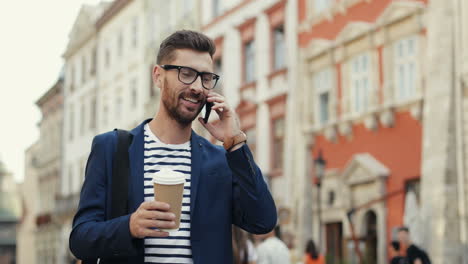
x=119 y=192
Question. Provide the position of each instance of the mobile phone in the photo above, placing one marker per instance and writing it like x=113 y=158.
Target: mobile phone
x=207 y=111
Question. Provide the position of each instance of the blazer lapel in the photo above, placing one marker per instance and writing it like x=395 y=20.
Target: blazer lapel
x=196 y=152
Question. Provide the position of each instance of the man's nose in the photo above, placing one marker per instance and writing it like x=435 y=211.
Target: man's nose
x=197 y=86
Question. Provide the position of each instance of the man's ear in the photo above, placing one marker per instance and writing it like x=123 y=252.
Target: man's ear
x=156 y=74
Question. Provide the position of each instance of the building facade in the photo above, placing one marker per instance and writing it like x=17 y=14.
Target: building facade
x=26 y=247
x=362 y=68
x=47 y=170
x=256 y=58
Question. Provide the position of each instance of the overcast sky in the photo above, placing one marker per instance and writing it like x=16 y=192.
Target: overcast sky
x=34 y=35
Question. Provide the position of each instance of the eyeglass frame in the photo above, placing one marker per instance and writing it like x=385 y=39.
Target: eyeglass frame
x=178 y=68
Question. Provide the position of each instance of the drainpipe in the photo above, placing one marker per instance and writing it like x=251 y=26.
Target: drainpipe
x=457 y=60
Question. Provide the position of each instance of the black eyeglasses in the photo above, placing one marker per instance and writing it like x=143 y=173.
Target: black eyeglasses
x=189 y=75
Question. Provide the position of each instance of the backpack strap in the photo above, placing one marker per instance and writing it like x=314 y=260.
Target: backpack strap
x=120 y=174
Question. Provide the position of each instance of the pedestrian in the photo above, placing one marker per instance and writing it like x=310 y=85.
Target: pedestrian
x=272 y=250
x=312 y=256
x=223 y=186
x=395 y=255
x=414 y=254
x=242 y=247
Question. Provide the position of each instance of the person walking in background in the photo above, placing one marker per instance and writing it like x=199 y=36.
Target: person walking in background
x=414 y=254
x=395 y=255
x=312 y=255
x=242 y=248
x=272 y=250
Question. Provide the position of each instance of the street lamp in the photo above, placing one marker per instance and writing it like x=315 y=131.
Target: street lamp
x=319 y=165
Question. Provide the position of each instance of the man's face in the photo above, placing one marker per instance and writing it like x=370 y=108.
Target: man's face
x=403 y=237
x=184 y=102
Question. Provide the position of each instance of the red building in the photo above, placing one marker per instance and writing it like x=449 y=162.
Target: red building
x=363 y=86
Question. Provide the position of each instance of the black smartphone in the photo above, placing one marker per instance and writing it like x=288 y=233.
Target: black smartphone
x=207 y=111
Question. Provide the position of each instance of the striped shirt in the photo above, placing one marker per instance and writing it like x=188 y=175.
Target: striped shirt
x=175 y=248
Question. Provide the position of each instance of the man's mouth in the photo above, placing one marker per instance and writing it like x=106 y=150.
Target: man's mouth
x=192 y=100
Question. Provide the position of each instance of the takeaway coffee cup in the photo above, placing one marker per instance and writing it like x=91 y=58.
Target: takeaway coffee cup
x=169 y=188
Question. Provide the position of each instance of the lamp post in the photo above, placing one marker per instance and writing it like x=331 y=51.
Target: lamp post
x=319 y=165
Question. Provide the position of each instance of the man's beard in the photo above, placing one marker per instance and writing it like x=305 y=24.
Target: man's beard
x=174 y=111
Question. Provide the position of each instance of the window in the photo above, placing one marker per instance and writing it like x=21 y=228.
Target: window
x=135 y=32
x=279 y=48
x=249 y=62
x=218 y=69
x=93 y=63
x=360 y=83
x=71 y=126
x=134 y=95
x=251 y=140
x=105 y=113
x=216 y=8
x=187 y=8
x=107 y=58
x=72 y=79
x=83 y=70
x=322 y=82
x=278 y=141
x=92 y=117
x=120 y=44
x=321 y=5
x=82 y=116
x=118 y=107
x=405 y=71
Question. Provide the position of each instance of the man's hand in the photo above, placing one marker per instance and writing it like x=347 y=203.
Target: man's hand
x=228 y=125
x=150 y=215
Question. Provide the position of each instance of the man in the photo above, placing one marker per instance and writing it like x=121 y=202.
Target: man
x=223 y=186
x=272 y=250
x=395 y=256
x=414 y=254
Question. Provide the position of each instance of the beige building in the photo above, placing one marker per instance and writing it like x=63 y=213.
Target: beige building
x=48 y=169
x=445 y=144
x=27 y=231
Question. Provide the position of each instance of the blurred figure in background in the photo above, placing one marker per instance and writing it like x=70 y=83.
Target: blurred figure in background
x=272 y=250
x=414 y=254
x=242 y=248
x=395 y=255
x=312 y=255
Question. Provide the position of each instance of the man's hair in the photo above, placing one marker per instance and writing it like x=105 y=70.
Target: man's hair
x=395 y=245
x=184 y=39
x=403 y=228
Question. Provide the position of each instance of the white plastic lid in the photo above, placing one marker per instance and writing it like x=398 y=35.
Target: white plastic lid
x=168 y=177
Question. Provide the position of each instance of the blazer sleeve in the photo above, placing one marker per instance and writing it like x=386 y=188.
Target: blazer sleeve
x=253 y=207
x=93 y=236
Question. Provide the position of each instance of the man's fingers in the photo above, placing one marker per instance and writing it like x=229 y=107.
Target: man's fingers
x=147 y=223
x=157 y=215
x=155 y=205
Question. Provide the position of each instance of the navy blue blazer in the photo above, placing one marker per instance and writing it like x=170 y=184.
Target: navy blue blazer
x=227 y=188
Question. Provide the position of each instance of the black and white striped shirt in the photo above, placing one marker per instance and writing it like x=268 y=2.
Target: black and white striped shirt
x=176 y=248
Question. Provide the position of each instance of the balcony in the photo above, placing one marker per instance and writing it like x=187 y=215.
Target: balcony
x=66 y=205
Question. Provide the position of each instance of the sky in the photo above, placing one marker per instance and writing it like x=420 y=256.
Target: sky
x=34 y=35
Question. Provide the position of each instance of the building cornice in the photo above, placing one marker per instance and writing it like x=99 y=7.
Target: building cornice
x=54 y=90
x=110 y=12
